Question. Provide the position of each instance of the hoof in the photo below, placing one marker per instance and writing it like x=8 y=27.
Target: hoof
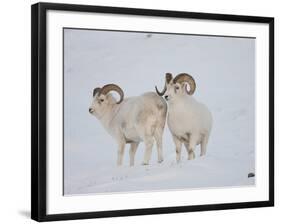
x=145 y=164
x=160 y=161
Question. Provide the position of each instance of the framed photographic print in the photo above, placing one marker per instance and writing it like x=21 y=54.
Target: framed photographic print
x=140 y=111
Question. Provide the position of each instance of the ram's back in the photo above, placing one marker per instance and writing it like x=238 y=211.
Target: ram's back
x=141 y=111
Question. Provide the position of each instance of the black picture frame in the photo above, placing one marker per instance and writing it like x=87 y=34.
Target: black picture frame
x=39 y=108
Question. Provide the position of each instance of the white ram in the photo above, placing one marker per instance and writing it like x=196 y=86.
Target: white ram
x=131 y=120
x=189 y=121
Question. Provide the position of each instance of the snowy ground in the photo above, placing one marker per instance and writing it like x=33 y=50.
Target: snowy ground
x=224 y=69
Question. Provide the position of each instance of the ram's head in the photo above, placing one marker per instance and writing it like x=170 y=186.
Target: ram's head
x=102 y=99
x=177 y=86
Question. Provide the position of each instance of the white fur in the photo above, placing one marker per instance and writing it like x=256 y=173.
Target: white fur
x=189 y=121
x=135 y=119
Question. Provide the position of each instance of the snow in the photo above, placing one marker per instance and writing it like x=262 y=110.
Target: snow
x=224 y=70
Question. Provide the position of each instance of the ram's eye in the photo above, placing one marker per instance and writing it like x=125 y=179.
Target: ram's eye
x=101 y=100
x=177 y=87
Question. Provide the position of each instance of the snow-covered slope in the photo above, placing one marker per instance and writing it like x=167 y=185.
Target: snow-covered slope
x=224 y=69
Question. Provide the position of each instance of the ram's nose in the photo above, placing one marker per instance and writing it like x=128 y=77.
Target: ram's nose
x=91 y=110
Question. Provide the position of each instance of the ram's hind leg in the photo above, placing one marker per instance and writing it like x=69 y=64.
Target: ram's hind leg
x=146 y=128
x=148 y=141
x=204 y=145
x=160 y=125
x=158 y=137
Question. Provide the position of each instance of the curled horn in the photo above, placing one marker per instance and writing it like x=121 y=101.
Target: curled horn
x=184 y=77
x=112 y=87
x=96 y=90
x=169 y=77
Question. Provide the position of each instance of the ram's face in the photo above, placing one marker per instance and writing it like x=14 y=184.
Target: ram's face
x=177 y=86
x=99 y=105
x=101 y=99
x=173 y=90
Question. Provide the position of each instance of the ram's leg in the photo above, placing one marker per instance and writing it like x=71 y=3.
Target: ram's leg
x=148 y=141
x=158 y=138
x=204 y=145
x=132 y=152
x=120 y=155
x=191 y=146
x=190 y=152
x=178 y=144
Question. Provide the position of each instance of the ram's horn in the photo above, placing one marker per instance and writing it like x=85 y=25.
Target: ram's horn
x=163 y=91
x=112 y=87
x=96 y=90
x=184 y=77
x=169 y=77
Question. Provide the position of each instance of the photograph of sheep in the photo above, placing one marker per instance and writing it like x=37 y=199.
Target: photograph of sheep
x=150 y=111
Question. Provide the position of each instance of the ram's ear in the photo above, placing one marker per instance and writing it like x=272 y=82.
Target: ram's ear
x=96 y=90
x=186 y=88
x=169 y=78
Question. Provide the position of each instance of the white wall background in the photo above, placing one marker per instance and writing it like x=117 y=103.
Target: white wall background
x=15 y=109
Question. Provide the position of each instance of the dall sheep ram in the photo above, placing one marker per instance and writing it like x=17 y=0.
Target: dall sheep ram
x=131 y=120
x=189 y=121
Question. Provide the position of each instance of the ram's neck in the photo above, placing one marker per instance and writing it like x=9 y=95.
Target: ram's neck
x=180 y=103
x=107 y=118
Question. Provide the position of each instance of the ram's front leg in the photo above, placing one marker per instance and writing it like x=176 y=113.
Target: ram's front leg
x=178 y=144
x=120 y=154
x=132 y=152
x=190 y=148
